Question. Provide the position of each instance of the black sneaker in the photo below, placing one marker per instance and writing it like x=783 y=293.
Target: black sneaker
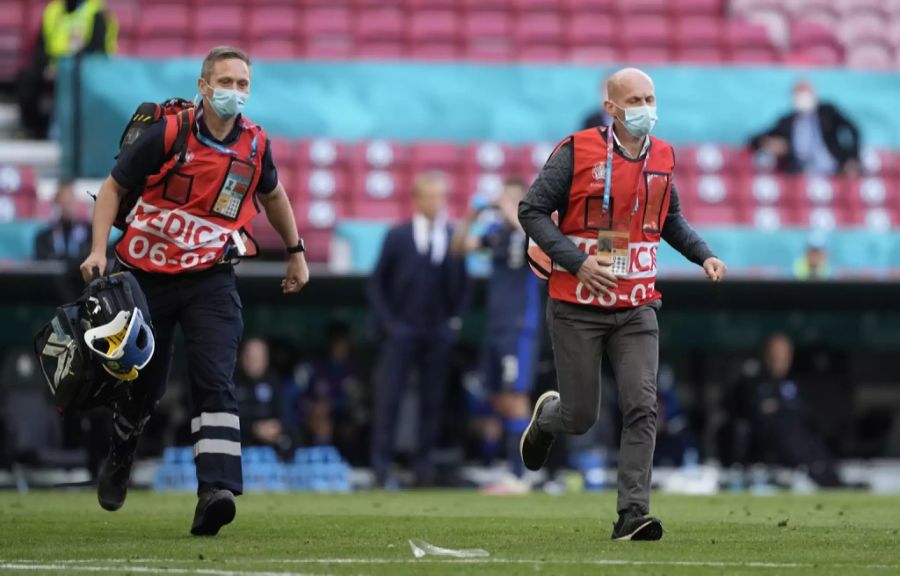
x=215 y=509
x=534 y=446
x=635 y=525
x=115 y=472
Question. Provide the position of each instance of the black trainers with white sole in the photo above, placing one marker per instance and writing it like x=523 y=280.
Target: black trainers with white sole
x=215 y=509
x=635 y=525
x=534 y=446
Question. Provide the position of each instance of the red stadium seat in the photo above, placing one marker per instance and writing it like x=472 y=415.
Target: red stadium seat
x=807 y=34
x=427 y=26
x=269 y=22
x=18 y=181
x=536 y=5
x=698 y=31
x=700 y=55
x=582 y=7
x=380 y=24
x=871 y=55
x=435 y=34
x=14 y=207
x=161 y=48
x=471 y=6
x=700 y=7
x=487 y=35
x=324 y=183
x=274 y=48
x=538 y=28
x=880 y=162
x=592 y=31
x=750 y=43
x=487 y=157
x=648 y=55
x=164 y=21
x=283 y=151
x=322 y=153
x=379 y=155
x=433 y=4
x=380 y=185
x=639 y=32
x=710 y=200
x=441 y=156
x=390 y=210
x=821 y=55
x=594 y=54
x=223 y=22
x=642 y=7
x=328 y=32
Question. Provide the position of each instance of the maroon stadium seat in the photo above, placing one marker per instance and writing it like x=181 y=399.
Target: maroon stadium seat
x=443 y=156
x=328 y=32
x=487 y=35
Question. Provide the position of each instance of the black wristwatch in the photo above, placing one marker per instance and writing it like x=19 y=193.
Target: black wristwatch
x=300 y=247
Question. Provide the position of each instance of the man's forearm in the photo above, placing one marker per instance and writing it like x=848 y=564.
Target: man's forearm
x=281 y=216
x=106 y=209
x=541 y=228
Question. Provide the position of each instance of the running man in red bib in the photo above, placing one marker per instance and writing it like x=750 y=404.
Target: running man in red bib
x=182 y=234
x=612 y=190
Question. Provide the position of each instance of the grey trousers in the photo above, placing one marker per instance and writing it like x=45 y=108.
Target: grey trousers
x=630 y=337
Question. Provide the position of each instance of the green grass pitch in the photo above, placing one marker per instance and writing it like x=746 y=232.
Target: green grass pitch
x=368 y=533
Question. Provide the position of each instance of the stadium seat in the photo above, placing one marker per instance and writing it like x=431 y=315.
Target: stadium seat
x=879 y=162
x=18 y=181
x=379 y=155
x=593 y=31
x=163 y=48
x=644 y=7
x=487 y=36
x=584 y=7
x=641 y=32
x=535 y=5
x=871 y=55
x=434 y=34
x=441 y=156
x=538 y=29
x=322 y=153
x=225 y=22
x=273 y=22
x=328 y=32
x=699 y=7
x=805 y=34
x=487 y=157
x=710 y=200
x=164 y=21
x=697 y=32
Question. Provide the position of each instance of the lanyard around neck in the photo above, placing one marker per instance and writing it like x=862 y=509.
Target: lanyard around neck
x=607 y=184
x=218 y=146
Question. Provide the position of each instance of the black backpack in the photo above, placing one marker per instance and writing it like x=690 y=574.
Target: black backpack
x=146 y=115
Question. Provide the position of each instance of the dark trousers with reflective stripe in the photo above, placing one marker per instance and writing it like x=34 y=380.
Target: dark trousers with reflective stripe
x=208 y=308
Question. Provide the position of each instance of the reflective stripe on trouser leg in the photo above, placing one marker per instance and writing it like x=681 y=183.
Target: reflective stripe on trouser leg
x=217 y=448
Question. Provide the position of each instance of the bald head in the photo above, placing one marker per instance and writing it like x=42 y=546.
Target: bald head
x=631 y=87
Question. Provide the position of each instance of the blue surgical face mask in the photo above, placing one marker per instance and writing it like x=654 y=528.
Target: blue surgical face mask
x=639 y=120
x=228 y=103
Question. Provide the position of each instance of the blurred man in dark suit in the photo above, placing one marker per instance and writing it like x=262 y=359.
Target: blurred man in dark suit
x=417 y=291
x=68 y=238
x=815 y=138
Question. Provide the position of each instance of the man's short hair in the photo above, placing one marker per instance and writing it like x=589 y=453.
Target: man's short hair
x=430 y=177
x=515 y=181
x=222 y=53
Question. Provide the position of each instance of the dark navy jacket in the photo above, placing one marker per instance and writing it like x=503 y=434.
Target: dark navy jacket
x=407 y=291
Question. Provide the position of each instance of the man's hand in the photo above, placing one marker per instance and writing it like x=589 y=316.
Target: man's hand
x=597 y=276
x=94 y=260
x=776 y=146
x=297 y=274
x=715 y=269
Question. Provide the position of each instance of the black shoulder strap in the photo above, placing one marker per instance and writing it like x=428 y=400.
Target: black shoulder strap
x=179 y=147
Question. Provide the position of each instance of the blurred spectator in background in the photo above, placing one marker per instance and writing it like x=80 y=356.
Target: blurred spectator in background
x=68 y=237
x=417 y=291
x=598 y=117
x=813 y=264
x=258 y=392
x=512 y=339
x=815 y=138
x=675 y=441
x=327 y=394
x=777 y=425
x=68 y=28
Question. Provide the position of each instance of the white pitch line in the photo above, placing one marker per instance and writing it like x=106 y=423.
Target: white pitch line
x=134 y=564
x=62 y=566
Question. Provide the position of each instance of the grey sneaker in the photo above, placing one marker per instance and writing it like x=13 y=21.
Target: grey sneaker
x=534 y=446
x=215 y=509
x=633 y=524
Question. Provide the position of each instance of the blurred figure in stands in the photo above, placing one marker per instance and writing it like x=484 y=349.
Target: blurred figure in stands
x=417 y=291
x=815 y=138
x=598 y=117
x=258 y=392
x=69 y=237
x=328 y=392
x=778 y=425
x=68 y=28
x=514 y=310
x=813 y=264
